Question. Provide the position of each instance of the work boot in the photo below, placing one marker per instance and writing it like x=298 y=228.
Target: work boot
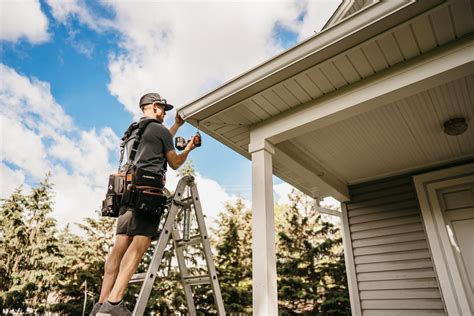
x=95 y=309
x=108 y=309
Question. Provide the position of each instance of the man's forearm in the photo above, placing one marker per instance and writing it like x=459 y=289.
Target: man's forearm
x=182 y=157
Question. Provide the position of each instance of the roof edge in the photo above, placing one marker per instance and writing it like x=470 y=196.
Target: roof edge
x=290 y=57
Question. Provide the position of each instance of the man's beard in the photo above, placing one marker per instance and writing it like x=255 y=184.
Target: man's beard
x=160 y=118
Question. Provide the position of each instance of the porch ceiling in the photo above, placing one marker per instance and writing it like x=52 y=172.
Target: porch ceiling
x=395 y=138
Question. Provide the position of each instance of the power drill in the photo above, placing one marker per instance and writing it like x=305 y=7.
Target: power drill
x=180 y=143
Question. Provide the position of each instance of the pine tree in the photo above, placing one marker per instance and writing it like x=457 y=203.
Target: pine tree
x=233 y=257
x=310 y=262
x=187 y=169
x=83 y=263
x=29 y=240
x=13 y=256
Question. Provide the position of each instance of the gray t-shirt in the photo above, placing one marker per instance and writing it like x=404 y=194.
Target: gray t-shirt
x=155 y=142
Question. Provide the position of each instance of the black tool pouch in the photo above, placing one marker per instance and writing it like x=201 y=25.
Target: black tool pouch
x=147 y=178
x=144 y=201
x=150 y=203
x=112 y=202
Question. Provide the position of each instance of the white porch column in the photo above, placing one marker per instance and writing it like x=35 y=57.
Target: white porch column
x=264 y=276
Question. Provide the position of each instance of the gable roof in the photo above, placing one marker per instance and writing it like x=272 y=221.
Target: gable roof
x=347 y=8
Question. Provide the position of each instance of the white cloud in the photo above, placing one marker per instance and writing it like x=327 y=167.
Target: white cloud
x=76 y=196
x=30 y=99
x=212 y=195
x=10 y=180
x=182 y=49
x=22 y=147
x=317 y=13
x=283 y=189
x=63 y=11
x=281 y=192
x=23 y=19
x=37 y=136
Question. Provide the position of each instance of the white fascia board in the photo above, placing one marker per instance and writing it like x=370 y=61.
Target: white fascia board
x=446 y=64
x=328 y=211
x=325 y=182
x=270 y=72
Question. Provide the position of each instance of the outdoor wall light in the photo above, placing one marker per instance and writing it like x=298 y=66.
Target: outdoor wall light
x=455 y=126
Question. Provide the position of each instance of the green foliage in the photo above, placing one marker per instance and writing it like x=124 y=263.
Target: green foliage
x=310 y=262
x=83 y=264
x=37 y=261
x=187 y=169
x=29 y=249
x=233 y=257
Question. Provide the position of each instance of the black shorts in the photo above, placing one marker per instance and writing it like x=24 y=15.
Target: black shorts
x=132 y=224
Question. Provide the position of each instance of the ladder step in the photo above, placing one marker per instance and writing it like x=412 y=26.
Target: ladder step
x=138 y=277
x=186 y=202
x=197 y=280
x=195 y=240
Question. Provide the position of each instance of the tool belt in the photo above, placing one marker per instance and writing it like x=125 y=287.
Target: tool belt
x=136 y=189
x=144 y=194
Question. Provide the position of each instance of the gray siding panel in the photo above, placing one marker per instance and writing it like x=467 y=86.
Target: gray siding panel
x=394 y=268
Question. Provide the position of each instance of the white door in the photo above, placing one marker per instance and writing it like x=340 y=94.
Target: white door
x=447 y=202
x=457 y=205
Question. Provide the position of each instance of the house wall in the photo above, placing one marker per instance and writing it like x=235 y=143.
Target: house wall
x=391 y=260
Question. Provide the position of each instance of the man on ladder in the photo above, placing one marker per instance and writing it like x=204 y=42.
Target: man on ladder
x=139 y=216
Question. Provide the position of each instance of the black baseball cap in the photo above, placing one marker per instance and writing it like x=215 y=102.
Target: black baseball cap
x=150 y=98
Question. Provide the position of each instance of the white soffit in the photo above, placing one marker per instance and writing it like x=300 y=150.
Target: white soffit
x=399 y=137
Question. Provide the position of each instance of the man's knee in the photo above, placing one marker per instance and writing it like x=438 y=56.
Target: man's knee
x=141 y=243
x=121 y=244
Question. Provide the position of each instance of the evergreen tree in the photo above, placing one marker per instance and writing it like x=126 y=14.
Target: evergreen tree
x=310 y=262
x=233 y=257
x=13 y=244
x=30 y=249
x=187 y=169
x=83 y=263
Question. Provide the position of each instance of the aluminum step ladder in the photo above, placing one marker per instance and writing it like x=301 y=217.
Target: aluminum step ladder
x=185 y=199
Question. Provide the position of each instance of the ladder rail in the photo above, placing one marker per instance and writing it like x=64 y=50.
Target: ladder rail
x=188 y=293
x=189 y=201
x=216 y=289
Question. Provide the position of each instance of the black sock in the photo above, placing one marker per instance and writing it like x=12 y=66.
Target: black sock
x=115 y=303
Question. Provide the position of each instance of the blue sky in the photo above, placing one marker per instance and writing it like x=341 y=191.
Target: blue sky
x=72 y=75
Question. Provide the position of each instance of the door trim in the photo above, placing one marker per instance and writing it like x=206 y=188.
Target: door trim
x=453 y=293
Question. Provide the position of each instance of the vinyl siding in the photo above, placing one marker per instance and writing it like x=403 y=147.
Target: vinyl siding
x=392 y=262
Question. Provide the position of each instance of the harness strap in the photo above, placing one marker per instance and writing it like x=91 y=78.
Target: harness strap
x=141 y=129
x=133 y=151
x=125 y=137
x=128 y=133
